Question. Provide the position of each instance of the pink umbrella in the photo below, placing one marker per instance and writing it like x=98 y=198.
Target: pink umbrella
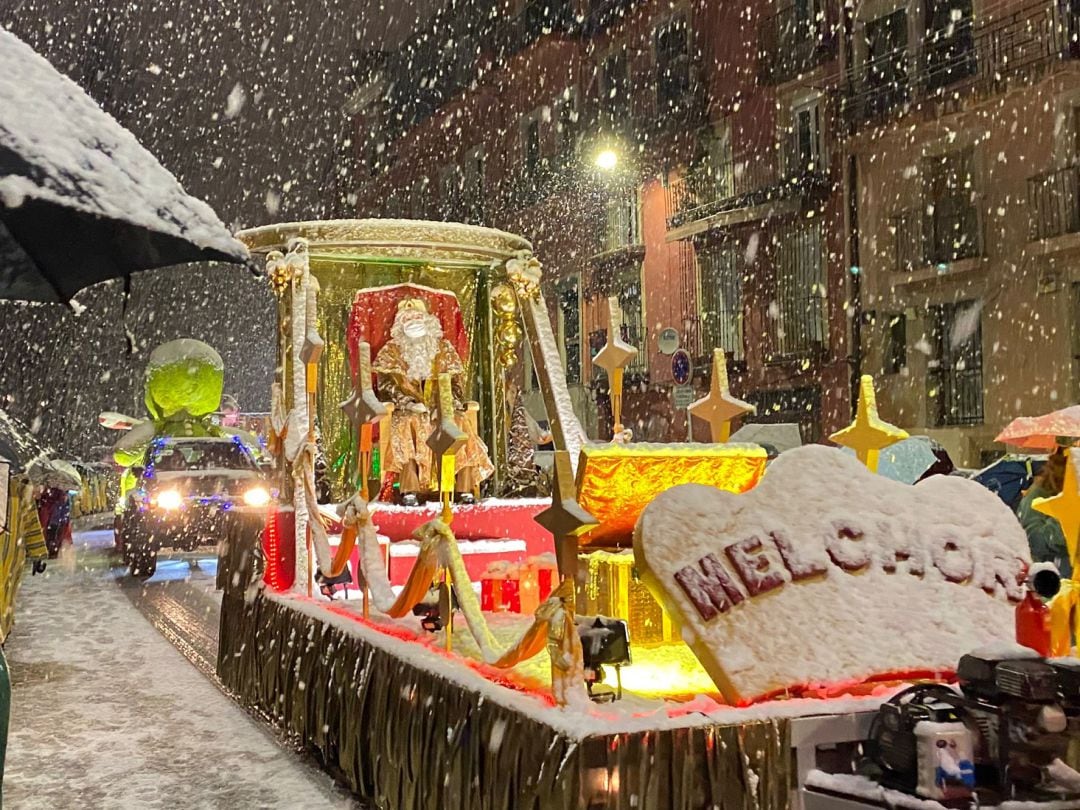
x=1043 y=432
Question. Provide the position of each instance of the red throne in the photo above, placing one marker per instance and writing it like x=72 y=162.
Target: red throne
x=373 y=312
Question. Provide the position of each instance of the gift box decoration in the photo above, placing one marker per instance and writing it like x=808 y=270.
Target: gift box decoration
x=612 y=588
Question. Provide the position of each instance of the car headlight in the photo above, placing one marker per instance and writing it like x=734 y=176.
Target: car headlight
x=257 y=496
x=169 y=499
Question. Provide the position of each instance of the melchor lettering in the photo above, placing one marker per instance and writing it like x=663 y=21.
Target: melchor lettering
x=761 y=565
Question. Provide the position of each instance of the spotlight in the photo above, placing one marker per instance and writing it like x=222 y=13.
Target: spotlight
x=604 y=642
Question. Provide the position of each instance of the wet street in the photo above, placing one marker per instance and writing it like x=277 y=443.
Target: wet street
x=108 y=711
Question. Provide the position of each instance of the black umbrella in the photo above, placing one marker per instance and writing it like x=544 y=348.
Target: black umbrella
x=81 y=201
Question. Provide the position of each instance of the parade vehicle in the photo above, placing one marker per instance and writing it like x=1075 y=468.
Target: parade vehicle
x=184 y=487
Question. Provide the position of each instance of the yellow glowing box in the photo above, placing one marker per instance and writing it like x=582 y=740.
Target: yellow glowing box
x=615 y=482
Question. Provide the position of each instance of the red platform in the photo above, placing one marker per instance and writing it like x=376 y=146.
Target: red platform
x=490 y=531
x=502 y=530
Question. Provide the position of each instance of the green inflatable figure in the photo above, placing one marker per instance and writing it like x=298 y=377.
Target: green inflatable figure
x=184 y=383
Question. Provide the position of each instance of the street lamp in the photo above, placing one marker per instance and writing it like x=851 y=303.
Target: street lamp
x=607 y=159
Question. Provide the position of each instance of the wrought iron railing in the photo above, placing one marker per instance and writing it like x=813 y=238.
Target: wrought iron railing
x=958 y=395
x=634 y=334
x=539 y=17
x=797 y=317
x=602 y=14
x=744 y=181
x=946 y=231
x=1054 y=202
x=977 y=56
x=790 y=44
x=621 y=225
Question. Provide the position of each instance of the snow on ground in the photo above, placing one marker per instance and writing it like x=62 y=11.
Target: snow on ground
x=106 y=713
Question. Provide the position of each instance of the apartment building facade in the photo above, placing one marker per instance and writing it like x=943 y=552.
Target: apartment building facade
x=679 y=156
x=962 y=123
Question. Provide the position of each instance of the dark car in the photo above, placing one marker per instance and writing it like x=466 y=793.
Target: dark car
x=184 y=489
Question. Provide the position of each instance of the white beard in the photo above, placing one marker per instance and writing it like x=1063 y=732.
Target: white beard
x=419 y=355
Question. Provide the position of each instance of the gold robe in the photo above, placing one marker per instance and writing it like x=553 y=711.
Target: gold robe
x=409 y=430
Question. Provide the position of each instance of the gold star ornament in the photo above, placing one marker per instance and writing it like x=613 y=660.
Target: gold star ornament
x=869 y=434
x=447 y=438
x=1065 y=508
x=363 y=407
x=616 y=354
x=614 y=357
x=566 y=519
x=719 y=407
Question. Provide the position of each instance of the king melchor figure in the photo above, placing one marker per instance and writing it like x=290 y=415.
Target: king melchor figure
x=407 y=367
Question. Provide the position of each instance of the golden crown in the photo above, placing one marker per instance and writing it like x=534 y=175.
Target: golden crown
x=412 y=303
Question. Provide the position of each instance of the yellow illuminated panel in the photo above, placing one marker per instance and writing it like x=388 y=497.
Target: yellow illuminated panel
x=616 y=482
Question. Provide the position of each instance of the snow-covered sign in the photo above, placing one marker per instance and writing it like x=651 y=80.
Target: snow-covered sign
x=826 y=574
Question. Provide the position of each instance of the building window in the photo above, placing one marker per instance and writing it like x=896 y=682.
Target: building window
x=615 y=84
x=895 y=359
x=566 y=127
x=473 y=186
x=949 y=44
x=718 y=178
x=672 y=42
x=622 y=220
x=798 y=314
x=950 y=217
x=955 y=378
x=886 y=62
x=806 y=138
x=451 y=193
x=531 y=146
x=627 y=284
x=720 y=298
x=568 y=296
x=799 y=405
x=419 y=204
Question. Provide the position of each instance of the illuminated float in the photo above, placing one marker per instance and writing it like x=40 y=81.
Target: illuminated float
x=454 y=674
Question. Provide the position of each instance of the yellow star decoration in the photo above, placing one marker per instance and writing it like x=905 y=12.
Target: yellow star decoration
x=1065 y=508
x=719 y=407
x=615 y=355
x=869 y=434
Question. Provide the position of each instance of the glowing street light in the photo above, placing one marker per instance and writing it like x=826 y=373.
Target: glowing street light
x=607 y=160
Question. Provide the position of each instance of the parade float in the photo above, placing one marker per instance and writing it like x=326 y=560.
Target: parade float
x=672 y=627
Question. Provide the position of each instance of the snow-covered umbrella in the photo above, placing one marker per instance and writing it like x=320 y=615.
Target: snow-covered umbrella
x=18 y=445
x=911 y=459
x=81 y=200
x=781 y=436
x=54 y=472
x=1043 y=432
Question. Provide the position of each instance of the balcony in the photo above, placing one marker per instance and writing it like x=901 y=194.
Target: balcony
x=745 y=181
x=973 y=56
x=790 y=45
x=1054 y=203
x=539 y=17
x=603 y=14
x=956 y=396
x=938 y=234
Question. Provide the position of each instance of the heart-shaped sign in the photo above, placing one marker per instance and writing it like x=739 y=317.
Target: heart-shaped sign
x=827 y=574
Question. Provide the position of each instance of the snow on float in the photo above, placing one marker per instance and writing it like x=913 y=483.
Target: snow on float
x=825 y=585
